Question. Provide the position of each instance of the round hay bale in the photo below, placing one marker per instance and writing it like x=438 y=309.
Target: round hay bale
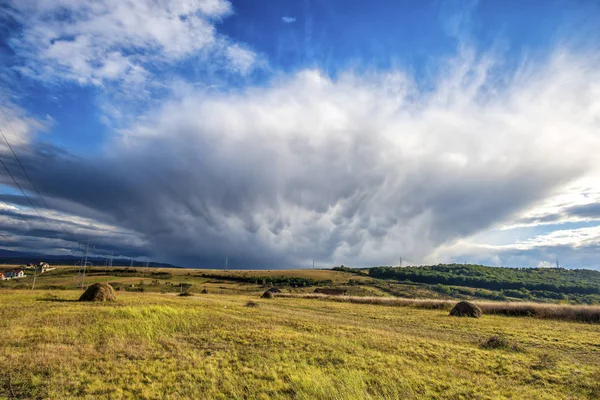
x=466 y=309
x=267 y=295
x=99 y=292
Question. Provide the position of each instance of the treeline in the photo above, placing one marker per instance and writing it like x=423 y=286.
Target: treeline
x=347 y=269
x=555 y=280
x=127 y=272
x=272 y=280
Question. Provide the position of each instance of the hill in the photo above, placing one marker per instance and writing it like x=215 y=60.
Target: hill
x=517 y=282
x=454 y=282
x=554 y=279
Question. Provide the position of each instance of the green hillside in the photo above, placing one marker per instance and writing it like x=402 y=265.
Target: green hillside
x=554 y=280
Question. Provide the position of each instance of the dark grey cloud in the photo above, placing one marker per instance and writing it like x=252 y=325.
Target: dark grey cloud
x=357 y=170
x=589 y=211
x=585 y=211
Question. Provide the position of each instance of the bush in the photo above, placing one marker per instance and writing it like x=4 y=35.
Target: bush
x=443 y=289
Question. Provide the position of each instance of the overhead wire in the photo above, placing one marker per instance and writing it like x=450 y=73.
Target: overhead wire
x=15 y=213
x=56 y=219
x=25 y=171
x=28 y=199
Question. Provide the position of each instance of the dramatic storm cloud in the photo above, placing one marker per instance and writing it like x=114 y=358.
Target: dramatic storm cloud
x=355 y=167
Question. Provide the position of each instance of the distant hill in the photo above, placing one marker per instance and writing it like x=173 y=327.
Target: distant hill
x=556 y=280
x=18 y=257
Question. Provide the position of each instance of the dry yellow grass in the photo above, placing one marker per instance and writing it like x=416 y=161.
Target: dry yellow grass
x=155 y=346
x=581 y=313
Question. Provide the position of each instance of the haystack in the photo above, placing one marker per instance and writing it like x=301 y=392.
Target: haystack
x=274 y=290
x=267 y=295
x=466 y=309
x=99 y=292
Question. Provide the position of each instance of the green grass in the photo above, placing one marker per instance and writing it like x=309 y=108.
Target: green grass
x=151 y=345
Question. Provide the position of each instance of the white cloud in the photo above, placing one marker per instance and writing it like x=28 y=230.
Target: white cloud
x=359 y=170
x=18 y=126
x=363 y=169
x=241 y=59
x=288 y=20
x=562 y=237
x=108 y=40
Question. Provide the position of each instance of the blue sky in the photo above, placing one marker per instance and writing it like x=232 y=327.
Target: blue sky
x=277 y=133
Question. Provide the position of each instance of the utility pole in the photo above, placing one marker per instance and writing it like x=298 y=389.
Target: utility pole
x=313 y=264
x=34 y=275
x=81 y=275
x=87 y=245
x=400 y=262
x=106 y=263
x=226 y=262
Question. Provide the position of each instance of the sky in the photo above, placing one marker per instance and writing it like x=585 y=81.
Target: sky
x=272 y=134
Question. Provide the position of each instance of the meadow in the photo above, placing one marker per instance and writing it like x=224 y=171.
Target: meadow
x=154 y=346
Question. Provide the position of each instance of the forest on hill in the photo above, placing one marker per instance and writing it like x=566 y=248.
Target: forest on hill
x=511 y=280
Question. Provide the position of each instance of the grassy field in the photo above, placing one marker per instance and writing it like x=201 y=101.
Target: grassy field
x=152 y=345
x=64 y=277
x=168 y=280
x=567 y=312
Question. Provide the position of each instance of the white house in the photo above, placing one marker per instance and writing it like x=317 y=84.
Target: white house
x=16 y=273
x=43 y=267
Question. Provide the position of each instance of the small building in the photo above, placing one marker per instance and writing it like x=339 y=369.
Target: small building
x=43 y=267
x=331 y=291
x=14 y=274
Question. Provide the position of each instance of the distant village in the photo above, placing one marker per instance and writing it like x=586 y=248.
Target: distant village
x=20 y=272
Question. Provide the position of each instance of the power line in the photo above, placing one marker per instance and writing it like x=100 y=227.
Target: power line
x=56 y=219
x=16 y=213
x=28 y=199
x=25 y=171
